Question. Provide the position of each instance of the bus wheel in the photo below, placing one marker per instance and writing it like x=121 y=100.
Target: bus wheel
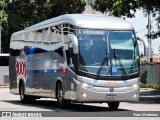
x=60 y=95
x=23 y=97
x=113 y=105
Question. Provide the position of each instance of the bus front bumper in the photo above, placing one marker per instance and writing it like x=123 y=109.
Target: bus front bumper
x=102 y=94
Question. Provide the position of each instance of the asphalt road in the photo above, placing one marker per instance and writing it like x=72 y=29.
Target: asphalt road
x=10 y=102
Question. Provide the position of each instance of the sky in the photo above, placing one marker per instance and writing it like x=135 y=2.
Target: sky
x=139 y=23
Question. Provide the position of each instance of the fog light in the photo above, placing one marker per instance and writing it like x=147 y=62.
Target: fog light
x=135 y=95
x=135 y=86
x=84 y=95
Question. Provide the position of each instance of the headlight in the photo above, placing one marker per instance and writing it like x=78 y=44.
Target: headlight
x=85 y=85
x=77 y=81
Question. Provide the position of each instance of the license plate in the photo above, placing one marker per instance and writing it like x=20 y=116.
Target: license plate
x=111 y=96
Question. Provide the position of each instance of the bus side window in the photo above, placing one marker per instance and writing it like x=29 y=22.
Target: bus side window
x=59 y=51
x=4 y=60
x=33 y=50
x=38 y=50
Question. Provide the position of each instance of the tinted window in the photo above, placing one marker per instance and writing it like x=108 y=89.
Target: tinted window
x=4 y=60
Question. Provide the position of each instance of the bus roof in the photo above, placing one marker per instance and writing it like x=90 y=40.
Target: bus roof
x=84 y=21
x=41 y=34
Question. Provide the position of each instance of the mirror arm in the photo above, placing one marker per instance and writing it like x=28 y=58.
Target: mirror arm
x=74 y=42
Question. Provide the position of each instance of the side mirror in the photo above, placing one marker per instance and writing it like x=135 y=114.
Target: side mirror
x=74 y=42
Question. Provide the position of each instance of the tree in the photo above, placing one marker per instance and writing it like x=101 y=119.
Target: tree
x=68 y=7
x=129 y=7
x=23 y=13
x=116 y=7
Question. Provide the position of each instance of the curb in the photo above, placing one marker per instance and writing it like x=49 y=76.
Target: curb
x=149 y=94
x=146 y=86
x=4 y=86
x=149 y=98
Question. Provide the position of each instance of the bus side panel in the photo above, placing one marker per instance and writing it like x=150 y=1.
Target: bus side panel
x=43 y=70
x=40 y=72
x=13 y=76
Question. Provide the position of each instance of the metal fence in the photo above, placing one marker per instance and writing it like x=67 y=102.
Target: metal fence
x=150 y=73
x=143 y=73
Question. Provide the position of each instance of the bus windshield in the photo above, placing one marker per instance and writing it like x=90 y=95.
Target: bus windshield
x=107 y=53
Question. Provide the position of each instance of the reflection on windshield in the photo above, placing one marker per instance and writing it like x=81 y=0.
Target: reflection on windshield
x=94 y=45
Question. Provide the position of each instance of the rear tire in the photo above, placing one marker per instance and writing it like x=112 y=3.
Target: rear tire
x=25 y=98
x=113 y=105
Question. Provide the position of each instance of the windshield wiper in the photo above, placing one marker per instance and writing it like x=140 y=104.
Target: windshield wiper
x=101 y=66
x=121 y=65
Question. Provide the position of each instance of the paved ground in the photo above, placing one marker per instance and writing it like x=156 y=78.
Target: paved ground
x=149 y=102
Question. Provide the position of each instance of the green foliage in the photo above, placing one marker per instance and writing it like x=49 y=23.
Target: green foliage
x=129 y=7
x=68 y=7
x=103 y=5
x=116 y=7
x=154 y=7
x=23 y=13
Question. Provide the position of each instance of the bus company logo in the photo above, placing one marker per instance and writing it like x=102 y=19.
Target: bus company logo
x=111 y=89
x=21 y=68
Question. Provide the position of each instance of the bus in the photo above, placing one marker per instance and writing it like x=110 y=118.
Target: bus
x=4 y=68
x=76 y=58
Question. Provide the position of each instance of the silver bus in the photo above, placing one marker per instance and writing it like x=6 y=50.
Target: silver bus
x=76 y=58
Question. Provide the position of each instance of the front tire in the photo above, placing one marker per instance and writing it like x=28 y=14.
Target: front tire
x=60 y=96
x=113 y=105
